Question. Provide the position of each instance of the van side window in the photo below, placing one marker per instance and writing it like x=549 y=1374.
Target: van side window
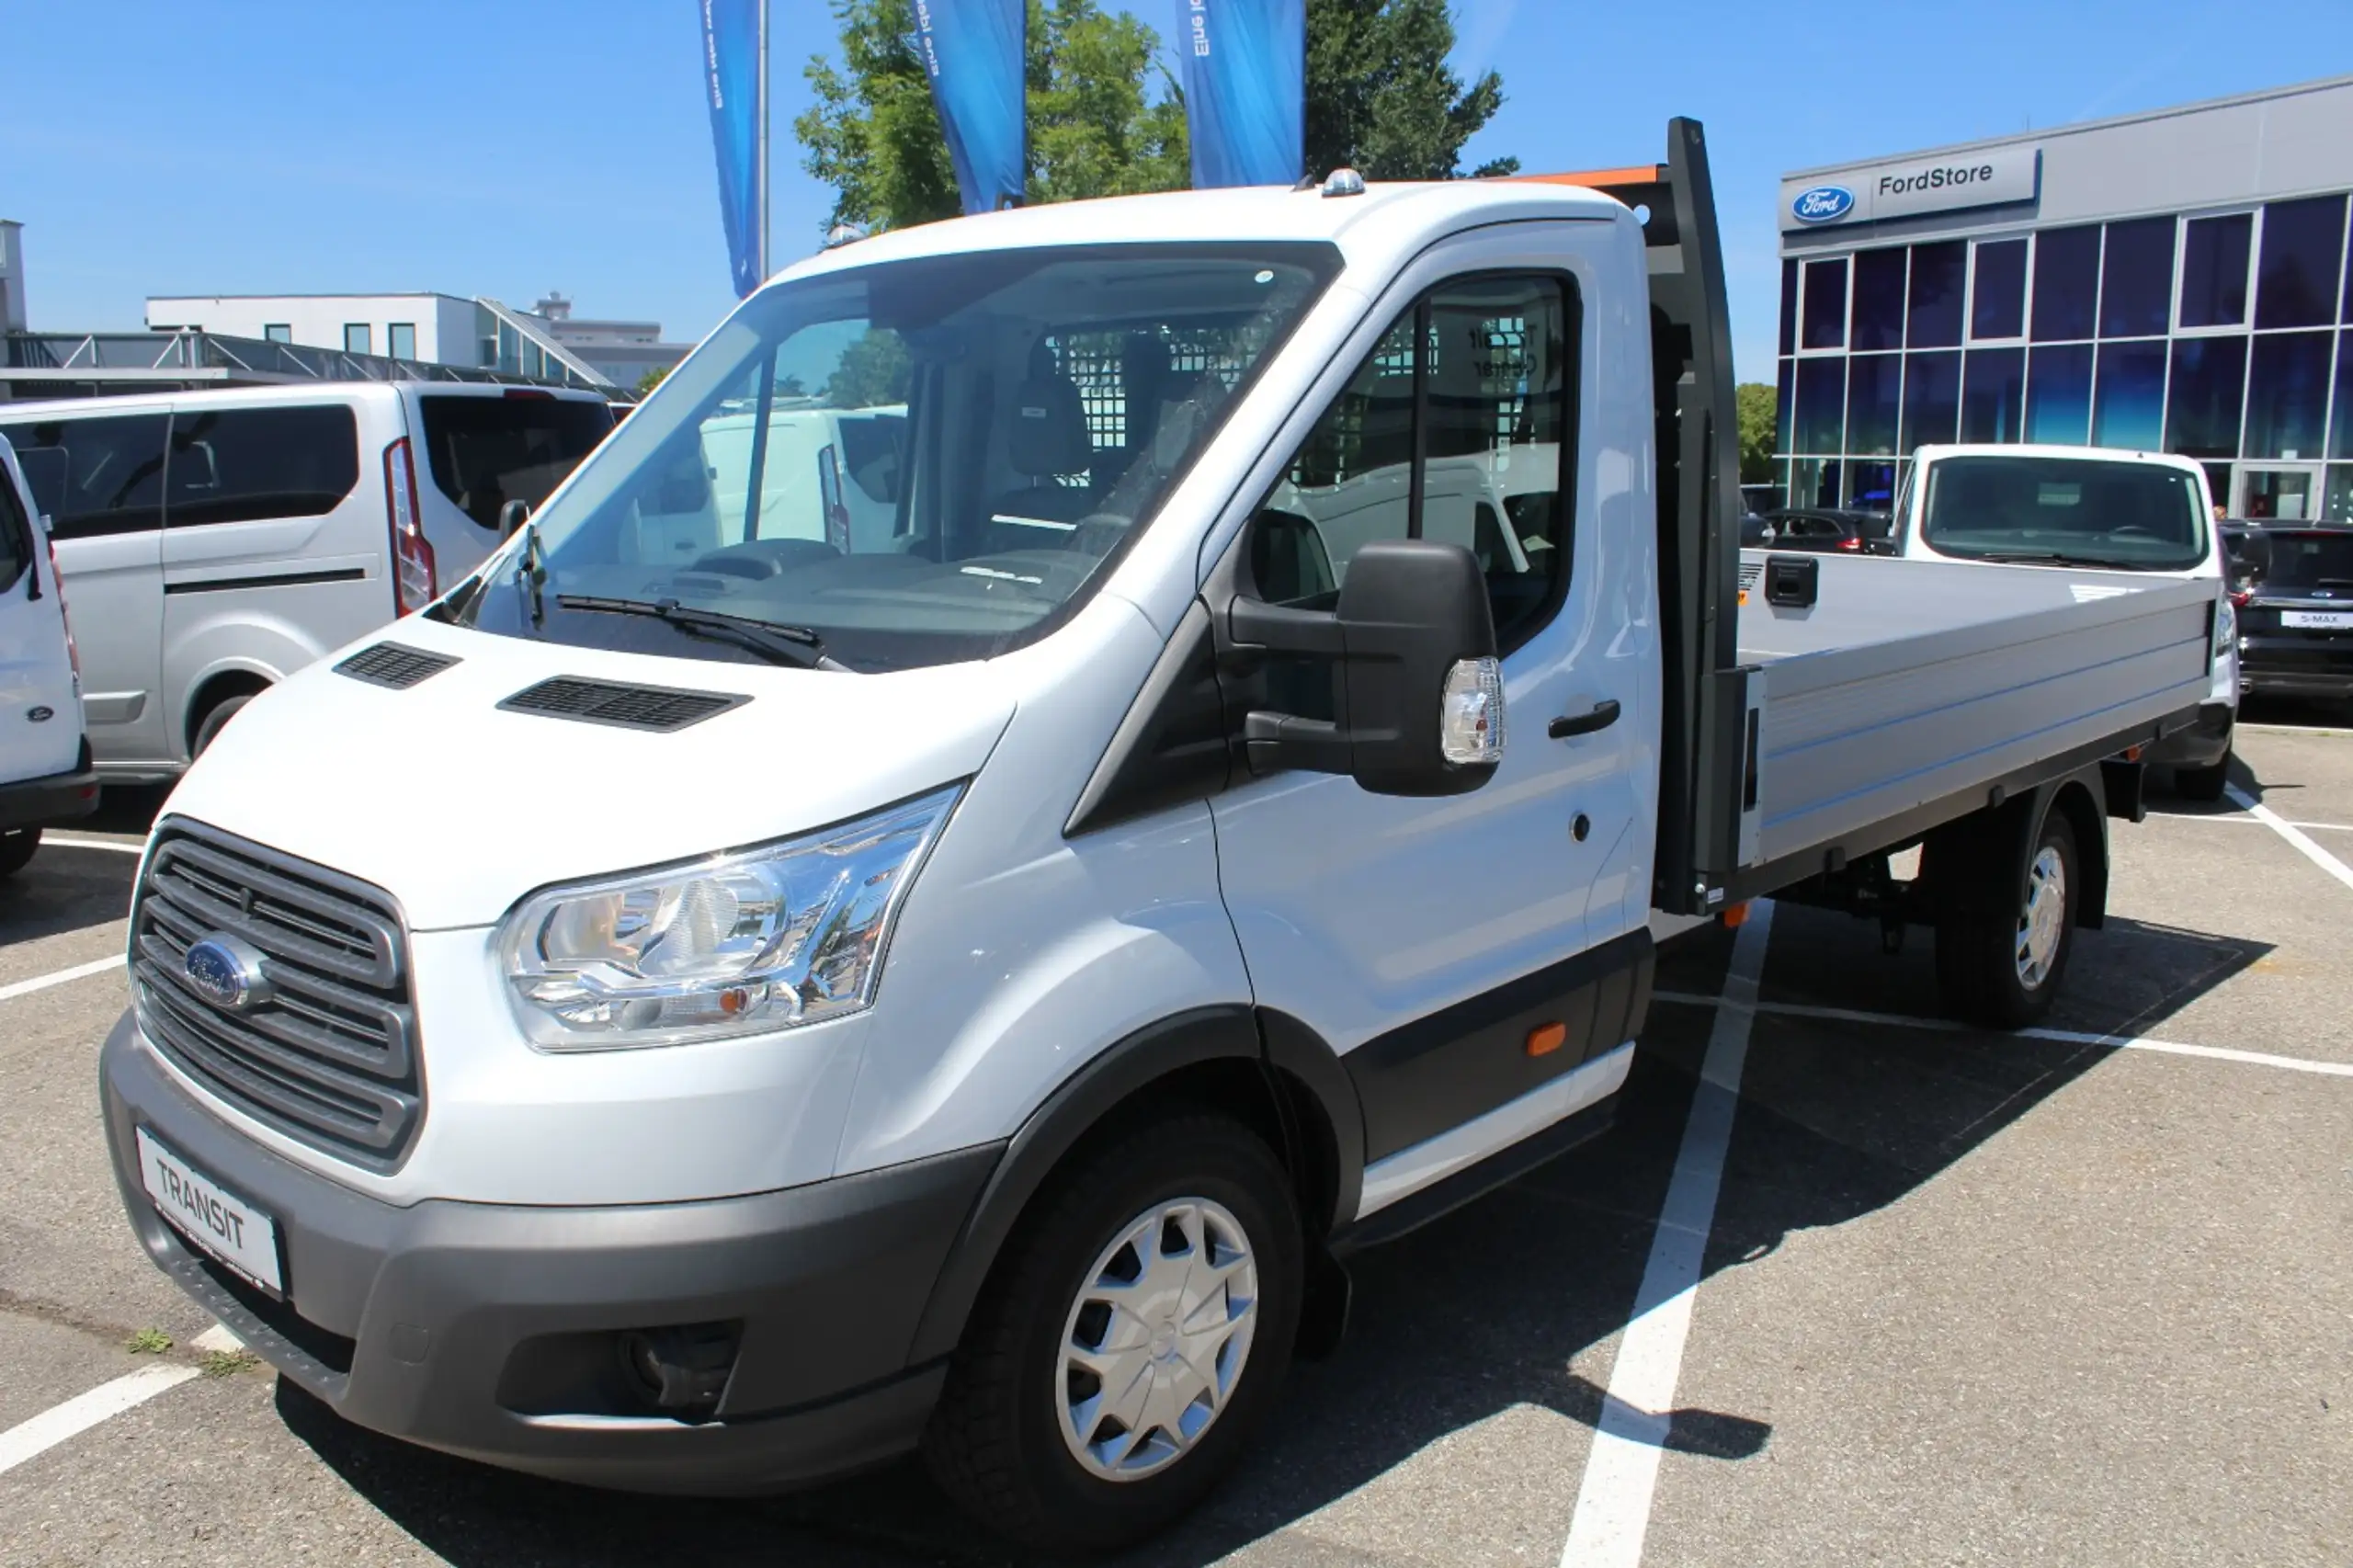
x=1459 y=427
x=486 y=451
x=95 y=476
x=16 y=541
x=235 y=465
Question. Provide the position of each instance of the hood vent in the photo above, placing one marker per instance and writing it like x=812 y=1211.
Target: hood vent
x=631 y=707
x=393 y=665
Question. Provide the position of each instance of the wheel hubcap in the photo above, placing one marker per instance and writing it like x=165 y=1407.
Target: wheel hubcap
x=2043 y=920
x=1154 y=1345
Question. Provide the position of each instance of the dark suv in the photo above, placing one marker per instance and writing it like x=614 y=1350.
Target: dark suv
x=2292 y=583
x=1831 y=529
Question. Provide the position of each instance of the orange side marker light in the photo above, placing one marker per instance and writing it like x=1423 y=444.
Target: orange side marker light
x=1735 y=914
x=1546 y=1039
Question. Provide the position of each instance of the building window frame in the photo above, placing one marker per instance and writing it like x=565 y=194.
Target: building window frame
x=392 y=331
x=2253 y=212
x=364 y=331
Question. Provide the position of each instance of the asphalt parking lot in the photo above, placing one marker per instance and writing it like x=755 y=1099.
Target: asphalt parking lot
x=2079 y=1297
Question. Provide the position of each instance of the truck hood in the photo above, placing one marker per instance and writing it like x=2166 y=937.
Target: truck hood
x=458 y=808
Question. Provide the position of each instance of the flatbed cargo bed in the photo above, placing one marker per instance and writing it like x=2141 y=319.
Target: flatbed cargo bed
x=1909 y=691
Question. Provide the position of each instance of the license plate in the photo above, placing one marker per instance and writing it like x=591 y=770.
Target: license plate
x=221 y=1223
x=2318 y=619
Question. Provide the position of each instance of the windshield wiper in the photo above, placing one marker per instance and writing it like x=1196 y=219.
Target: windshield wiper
x=794 y=645
x=2057 y=558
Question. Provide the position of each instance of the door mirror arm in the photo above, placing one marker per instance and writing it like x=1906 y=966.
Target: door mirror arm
x=513 y=515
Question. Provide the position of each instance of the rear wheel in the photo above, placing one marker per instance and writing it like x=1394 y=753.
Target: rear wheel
x=1132 y=1340
x=2003 y=969
x=17 y=846
x=216 y=719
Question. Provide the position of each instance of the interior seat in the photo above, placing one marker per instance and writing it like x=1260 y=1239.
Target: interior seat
x=1046 y=439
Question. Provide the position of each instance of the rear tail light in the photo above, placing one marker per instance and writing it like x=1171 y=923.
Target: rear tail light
x=415 y=583
x=1850 y=544
x=65 y=613
x=2239 y=598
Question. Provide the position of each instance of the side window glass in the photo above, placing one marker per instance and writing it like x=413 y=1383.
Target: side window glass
x=240 y=464
x=1459 y=427
x=95 y=476
x=16 y=542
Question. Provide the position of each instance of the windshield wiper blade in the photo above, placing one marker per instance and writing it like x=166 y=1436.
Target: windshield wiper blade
x=794 y=645
x=2056 y=558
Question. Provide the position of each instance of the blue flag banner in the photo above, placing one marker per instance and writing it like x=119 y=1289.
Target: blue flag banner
x=1246 y=90
x=731 y=31
x=972 y=51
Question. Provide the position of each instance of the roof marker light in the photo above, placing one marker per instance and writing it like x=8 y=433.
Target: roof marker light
x=1344 y=182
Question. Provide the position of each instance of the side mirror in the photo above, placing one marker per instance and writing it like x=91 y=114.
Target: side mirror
x=1417 y=687
x=513 y=515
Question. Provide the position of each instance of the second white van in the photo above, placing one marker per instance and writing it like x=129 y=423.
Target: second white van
x=216 y=541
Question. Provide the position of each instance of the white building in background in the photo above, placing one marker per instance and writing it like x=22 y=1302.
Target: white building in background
x=441 y=329
x=12 y=276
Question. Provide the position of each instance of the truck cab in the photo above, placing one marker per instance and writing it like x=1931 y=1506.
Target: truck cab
x=2068 y=509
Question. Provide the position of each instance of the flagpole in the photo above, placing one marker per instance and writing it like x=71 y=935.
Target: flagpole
x=760 y=101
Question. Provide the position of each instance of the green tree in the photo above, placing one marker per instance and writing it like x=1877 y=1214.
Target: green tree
x=1381 y=98
x=1104 y=117
x=872 y=372
x=1755 y=403
x=651 y=379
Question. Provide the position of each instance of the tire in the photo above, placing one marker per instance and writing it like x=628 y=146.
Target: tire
x=2002 y=970
x=16 y=848
x=997 y=1442
x=217 y=720
x=2203 y=784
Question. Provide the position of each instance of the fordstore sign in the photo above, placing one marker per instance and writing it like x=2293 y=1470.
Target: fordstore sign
x=1991 y=177
x=1822 y=204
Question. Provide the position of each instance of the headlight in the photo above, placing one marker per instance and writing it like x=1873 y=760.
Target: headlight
x=735 y=944
x=2226 y=627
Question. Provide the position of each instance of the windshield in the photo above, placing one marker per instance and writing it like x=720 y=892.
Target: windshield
x=2132 y=516
x=918 y=461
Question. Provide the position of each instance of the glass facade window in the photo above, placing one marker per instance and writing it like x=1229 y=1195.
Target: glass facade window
x=1939 y=278
x=2136 y=278
x=2338 y=506
x=1822 y=403
x=2303 y=242
x=1813 y=482
x=357 y=337
x=1874 y=402
x=2340 y=430
x=2287 y=394
x=2129 y=398
x=278 y=331
x=1871 y=486
x=2058 y=394
x=1878 y=300
x=1788 y=306
x=1825 y=325
x=1785 y=429
x=399 y=340
x=2066 y=283
x=2207 y=390
x=1993 y=395
x=2214 y=253
x=1932 y=398
x=1997 y=302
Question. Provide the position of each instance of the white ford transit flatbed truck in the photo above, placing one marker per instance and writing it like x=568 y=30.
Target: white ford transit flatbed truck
x=720 y=999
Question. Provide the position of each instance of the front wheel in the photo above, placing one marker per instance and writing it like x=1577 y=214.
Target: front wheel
x=16 y=848
x=2003 y=969
x=2203 y=784
x=1130 y=1340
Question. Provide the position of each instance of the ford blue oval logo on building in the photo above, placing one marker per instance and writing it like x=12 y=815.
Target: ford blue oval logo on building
x=226 y=972
x=1822 y=204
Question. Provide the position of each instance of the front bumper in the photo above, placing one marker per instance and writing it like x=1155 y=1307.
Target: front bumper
x=492 y=1332
x=2202 y=743
x=58 y=797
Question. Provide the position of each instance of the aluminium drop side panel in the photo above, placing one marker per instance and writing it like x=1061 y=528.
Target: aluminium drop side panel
x=1912 y=682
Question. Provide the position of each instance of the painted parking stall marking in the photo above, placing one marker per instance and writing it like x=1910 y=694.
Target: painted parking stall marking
x=2294 y=835
x=1613 y=1509
x=43 y=982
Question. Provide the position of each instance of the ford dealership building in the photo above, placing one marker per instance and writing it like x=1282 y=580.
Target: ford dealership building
x=2172 y=280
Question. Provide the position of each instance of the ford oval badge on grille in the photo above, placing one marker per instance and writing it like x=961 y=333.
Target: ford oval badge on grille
x=1822 y=204
x=226 y=973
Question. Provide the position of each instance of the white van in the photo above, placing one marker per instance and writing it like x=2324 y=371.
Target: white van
x=217 y=541
x=45 y=774
x=2086 y=507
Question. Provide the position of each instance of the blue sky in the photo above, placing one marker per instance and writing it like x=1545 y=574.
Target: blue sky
x=508 y=148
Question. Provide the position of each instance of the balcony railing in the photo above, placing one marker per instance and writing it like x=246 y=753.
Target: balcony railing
x=211 y=356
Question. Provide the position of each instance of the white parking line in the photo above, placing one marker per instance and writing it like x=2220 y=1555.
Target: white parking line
x=2287 y=830
x=50 y=840
x=2066 y=1037
x=1613 y=1510
x=43 y=982
x=28 y=1439
x=2241 y=819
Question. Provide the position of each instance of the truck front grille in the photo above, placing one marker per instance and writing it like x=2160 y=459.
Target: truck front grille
x=325 y=1048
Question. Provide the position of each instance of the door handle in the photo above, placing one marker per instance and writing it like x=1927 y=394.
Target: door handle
x=1604 y=714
